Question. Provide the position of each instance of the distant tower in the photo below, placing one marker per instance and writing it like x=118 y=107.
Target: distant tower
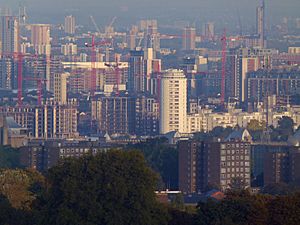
x=9 y=34
x=208 y=31
x=22 y=15
x=136 y=73
x=70 y=24
x=173 y=101
x=59 y=83
x=260 y=24
x=189 y=38
x=40 y=38
x=9 y=47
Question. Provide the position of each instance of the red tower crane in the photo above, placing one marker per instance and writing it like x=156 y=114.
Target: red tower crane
x=224 y=48
x=19 y=58
x=39 y=81
x=93 y=61
x=116 y=68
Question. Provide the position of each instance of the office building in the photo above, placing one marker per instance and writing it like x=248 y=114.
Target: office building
x=173 y=101
x=189 y=38
x=70 y=24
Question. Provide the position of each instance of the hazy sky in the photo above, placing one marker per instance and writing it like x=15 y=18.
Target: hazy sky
x=48 y=11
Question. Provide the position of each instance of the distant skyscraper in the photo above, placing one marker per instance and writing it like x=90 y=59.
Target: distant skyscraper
x=22 y=15
x=208 y=31
x=173 y=102
x=148 y=54
x=189 y=38
x=70 y=24
x=9 y=34
x=8 y=73
x=136 y=75
x=60 y=87
x=145 y=24
x=40 y=38
x=260 y=23
x=9 y=39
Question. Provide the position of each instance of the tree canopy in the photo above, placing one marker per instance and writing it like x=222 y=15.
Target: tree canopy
x=113 y=187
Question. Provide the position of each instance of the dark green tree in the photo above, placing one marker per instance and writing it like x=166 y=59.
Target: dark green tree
x=284 y=130
x=113 y=187
x=9 y=157
x=162 y=158
x=284 y=210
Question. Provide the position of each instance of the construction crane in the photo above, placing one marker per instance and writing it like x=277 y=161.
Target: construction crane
x=39 y=81
x=112 y=21
x=224 y=48
x=116 y=68
x=95 y=24
x=19 y=58
x=93 y=61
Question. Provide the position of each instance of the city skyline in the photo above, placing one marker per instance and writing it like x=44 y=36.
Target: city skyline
x=227 y=11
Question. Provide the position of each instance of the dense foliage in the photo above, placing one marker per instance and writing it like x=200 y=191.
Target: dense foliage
x=162 y=158
x=117 y=187
x=9 y=157
x=113 y=187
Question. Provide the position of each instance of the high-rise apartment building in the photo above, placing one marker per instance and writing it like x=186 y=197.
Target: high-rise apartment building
x=9 y=35
x=136 y=74
x=173 y=101
x=8 y=73
x=189 y=164
x=9 y=49
x=213 y=163
x=147 y=116
x=70 y=24
x=114 y=114
x=60 y=87
x=260 y=24
x=48 y=121
x=69 y=49
x=40 y=38
x=189 y=38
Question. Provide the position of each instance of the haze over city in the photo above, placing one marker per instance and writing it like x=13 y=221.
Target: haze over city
x=138 y=112
x=164 y=10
